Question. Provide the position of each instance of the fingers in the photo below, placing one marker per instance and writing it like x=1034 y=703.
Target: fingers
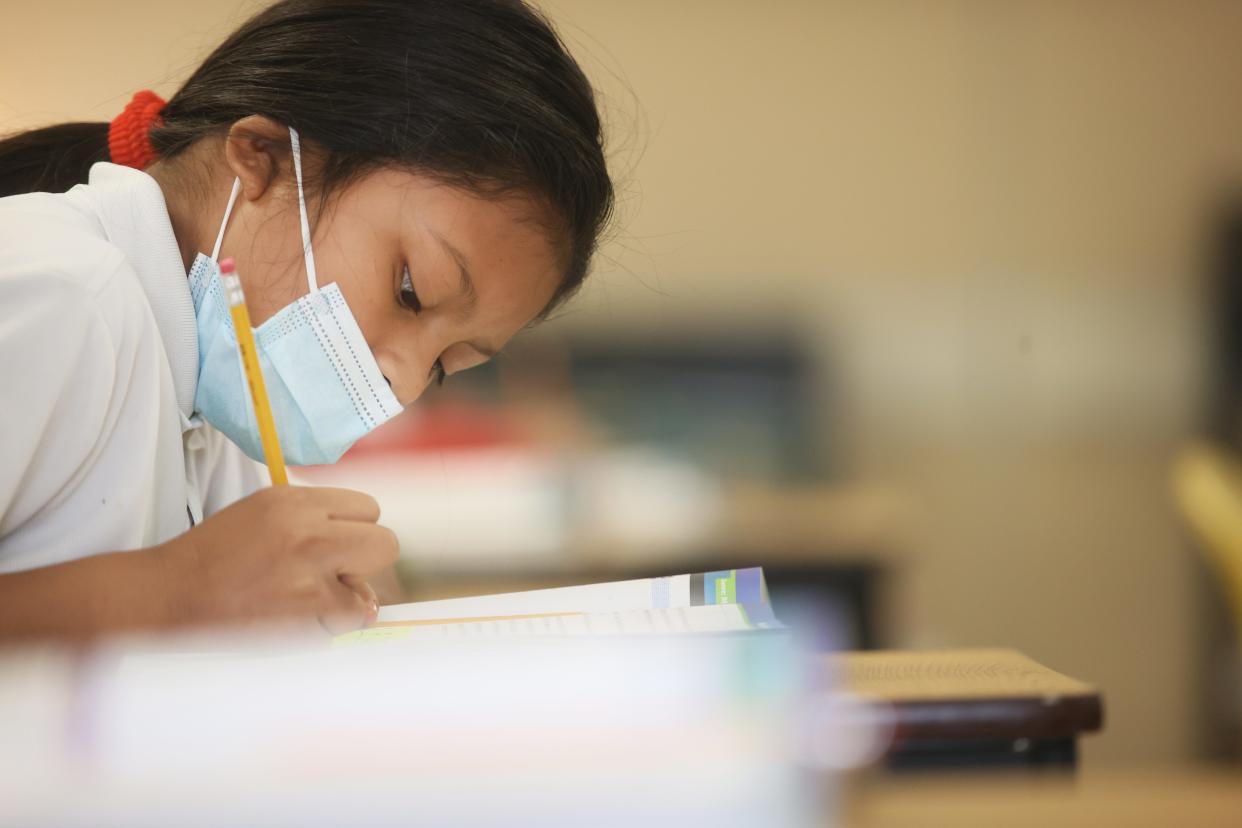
x=358 y=549
x=351 y=505
x=342 y=504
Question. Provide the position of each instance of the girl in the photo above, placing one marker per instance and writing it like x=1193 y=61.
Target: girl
x=403 y=184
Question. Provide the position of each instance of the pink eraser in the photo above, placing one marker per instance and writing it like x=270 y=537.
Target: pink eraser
x=227 y=266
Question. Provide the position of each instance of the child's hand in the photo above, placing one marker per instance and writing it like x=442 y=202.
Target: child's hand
x=283 y=552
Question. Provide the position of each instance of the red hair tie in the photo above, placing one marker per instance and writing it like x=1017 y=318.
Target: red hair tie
x=129 y=136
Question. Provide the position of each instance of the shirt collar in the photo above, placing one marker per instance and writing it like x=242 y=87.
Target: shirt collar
x=135 y=218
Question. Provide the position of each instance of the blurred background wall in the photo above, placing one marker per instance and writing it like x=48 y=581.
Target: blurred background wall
x=984 y=223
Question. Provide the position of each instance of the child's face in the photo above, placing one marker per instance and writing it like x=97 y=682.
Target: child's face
x=481 y=269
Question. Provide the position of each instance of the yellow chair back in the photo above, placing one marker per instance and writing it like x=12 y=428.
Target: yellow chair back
x=1207 y=485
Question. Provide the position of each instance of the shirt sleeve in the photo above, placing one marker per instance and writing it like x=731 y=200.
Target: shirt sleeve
x=58 y=367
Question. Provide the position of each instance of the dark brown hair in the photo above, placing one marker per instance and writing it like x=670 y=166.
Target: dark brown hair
x=479 y=92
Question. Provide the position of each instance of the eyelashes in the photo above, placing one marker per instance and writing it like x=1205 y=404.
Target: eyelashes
x=409 y=298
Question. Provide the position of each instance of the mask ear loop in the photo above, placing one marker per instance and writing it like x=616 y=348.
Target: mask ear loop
x=311 y=280
x=215 y=251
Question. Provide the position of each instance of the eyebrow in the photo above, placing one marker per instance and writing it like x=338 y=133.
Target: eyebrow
x=466 y=282
x=466 y=286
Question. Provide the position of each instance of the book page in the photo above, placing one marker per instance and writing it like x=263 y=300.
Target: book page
x=728 y=586
x=663 y=621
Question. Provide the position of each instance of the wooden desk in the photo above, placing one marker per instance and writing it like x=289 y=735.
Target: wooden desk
x=1149 y=798
x=972 y=708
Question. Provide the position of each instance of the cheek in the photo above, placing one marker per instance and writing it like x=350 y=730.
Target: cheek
x=358 y=261
x=381 y=326
x=368 y=290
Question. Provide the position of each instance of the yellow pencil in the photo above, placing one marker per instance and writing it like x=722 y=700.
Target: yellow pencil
x=254 y=374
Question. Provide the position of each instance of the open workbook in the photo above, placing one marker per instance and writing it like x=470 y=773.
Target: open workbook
x=730 y=600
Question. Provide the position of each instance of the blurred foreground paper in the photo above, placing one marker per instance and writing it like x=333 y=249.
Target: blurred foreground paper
x=567 y=731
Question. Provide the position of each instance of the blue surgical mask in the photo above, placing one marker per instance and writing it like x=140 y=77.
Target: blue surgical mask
x=324 y=385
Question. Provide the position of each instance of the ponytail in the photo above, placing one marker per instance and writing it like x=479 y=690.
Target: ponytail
x=55 y=158
x=51 y=159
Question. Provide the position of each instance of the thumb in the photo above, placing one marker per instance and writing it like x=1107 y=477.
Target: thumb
x=364 y=591
x=345 y=610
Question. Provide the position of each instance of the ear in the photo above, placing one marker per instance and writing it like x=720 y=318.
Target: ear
x=255 y=150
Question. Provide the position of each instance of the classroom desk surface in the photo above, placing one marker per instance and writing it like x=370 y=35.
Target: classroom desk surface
x=971 y=708
x=1199 y=797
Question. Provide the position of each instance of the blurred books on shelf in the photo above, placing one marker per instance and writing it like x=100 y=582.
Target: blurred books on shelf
x=483 y=509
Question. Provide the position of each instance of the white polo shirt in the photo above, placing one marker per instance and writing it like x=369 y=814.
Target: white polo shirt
x=100 y=450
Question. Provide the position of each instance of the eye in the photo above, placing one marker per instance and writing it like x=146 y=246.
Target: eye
x=410 y=300
x=408 y=297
